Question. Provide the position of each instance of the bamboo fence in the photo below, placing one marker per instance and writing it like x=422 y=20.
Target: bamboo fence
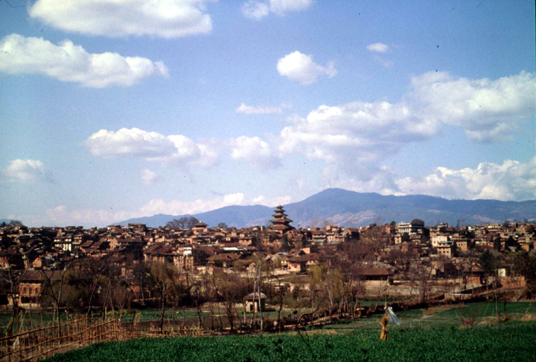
x=44 y=342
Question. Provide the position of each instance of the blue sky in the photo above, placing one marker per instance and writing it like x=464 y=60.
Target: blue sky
x=114 y=109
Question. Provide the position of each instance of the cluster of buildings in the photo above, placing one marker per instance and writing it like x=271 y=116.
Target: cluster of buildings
x=384 y=252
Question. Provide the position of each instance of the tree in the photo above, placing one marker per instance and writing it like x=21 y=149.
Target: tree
x=285 y=246
x=165 y=278
x=185 y=222
x=488 y=262
x=497 y=243
x=230 y=289
x=222 y=225
x=54 y=287
x=15 y=223
x=10 y=279
x=525 y=264
x=329 y=281
x=421 y=275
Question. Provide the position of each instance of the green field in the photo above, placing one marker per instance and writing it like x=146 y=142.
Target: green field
x=511 y=341
x=483 y=313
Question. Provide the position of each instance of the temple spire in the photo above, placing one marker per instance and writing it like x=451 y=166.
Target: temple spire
x=280 y=222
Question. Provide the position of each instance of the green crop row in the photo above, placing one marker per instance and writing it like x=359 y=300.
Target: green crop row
x=505 y=342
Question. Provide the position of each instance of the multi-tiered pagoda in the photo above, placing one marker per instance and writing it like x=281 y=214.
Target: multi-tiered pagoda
x=280 y=222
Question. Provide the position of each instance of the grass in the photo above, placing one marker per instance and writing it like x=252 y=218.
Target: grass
x=502 y=342
x=483 y=313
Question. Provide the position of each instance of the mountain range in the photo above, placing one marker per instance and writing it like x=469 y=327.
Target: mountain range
x=352 y=209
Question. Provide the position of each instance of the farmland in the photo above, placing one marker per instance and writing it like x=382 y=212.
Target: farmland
x=510 y=341
x=434 y=334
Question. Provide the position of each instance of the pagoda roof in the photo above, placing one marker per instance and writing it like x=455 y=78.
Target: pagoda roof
x=282 y=227
x=281 y=221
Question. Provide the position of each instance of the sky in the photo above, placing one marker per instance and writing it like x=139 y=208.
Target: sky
x=113 y=109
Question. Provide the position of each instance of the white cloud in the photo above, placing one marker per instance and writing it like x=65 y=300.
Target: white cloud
x=378 y=47
x=281 y=7
x=62 y=216
x=176 y=150
x=254 y=152
x=118 y=18
x=23 y=171
x=258 y=9
x=381 y=48
x=511 y=180
x=386 y=63
x=71 y=63
x=255 y=9
x=148 y=177
x=381 y=182
x=488 y=110
x=259 y=110
x=177 y=207
x=356 y=136
x=271 y=201
x=300 y=68
x=300 y=182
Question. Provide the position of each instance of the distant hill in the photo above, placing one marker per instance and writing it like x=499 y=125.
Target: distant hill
x=350 y=208
x=353 y=209
x=231 y=215
x=151 y=221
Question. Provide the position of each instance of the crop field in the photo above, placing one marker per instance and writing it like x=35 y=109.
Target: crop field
x=511 y=341
x=483 y=314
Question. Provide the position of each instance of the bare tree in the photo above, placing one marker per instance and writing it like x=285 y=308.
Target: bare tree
x=54 y=283
x=11 y=279
x=166 y=281
x=185 y=222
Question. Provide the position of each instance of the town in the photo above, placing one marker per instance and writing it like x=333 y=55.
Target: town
x=331 y=268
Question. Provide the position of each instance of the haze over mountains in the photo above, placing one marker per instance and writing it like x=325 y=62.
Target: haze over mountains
x=353 y=209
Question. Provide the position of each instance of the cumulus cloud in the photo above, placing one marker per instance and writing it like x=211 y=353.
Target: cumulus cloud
x=261 y=110
x=511 y=180
x=23 y=171
x=300 y=68
x=148 y=177
x=113 y=18
x=176 y=150
x=488 y=110
x=255 y=9
x=356 y=136
x=378 y=48
x=71 y=63
x=258 y=9
x=254 y=151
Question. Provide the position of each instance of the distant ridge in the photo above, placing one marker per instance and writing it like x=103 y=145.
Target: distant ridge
x=353 y=209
